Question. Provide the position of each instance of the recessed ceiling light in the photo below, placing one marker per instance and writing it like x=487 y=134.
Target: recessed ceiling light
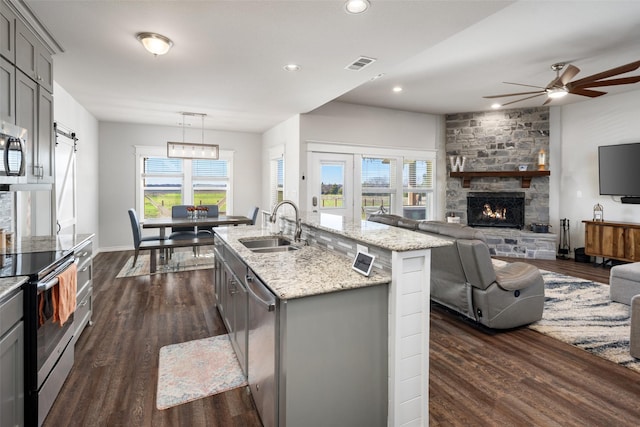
x=397 y=89
x=495 y=106
x=292 y=67
x=155 y=43
x=356 y=6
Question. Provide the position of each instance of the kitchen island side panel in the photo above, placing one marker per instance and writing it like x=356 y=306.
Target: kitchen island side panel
x=334 y=359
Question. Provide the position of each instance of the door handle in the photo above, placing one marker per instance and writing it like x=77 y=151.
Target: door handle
x=314 y=201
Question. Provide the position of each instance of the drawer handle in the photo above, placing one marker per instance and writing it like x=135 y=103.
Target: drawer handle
x=84 y=269
x=83 y=303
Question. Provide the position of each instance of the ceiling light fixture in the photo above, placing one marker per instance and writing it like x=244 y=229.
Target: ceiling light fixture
x=356 y=6
x=397 y=89
x=557 y=92
x=495 y=106
x=188 y=150
x=292 y=67
x=156 y=44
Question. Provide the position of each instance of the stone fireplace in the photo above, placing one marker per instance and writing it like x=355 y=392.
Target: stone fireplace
x=490 y=209
x=502 y=140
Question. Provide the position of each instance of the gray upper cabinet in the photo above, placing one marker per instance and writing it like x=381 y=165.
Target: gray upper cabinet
x=7 y=32
x=34 y=112
x=32 y=57
x=7 y=91
x=46 y=137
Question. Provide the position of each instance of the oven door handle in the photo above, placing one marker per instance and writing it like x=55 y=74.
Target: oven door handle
x=44 y=286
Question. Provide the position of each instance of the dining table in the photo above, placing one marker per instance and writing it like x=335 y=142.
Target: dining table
x=210 y=221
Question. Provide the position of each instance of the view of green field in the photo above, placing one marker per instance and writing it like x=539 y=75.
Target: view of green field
x=157 y=204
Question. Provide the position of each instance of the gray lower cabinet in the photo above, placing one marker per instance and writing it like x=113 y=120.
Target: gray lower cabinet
x=314 y=361
x=84 y=295
x=12 y=361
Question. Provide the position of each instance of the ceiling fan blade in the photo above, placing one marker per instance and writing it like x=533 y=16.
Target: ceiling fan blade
x=569 y=74
x=521 y=84
x=512 y=94
x=610 y=82
x=608 y=73
x=523 y=99
x=586 y=92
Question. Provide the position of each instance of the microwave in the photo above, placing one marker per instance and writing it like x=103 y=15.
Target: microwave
x=13 y=154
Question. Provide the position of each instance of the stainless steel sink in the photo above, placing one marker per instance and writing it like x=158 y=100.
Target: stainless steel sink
x=275 y=249
x=268 y=244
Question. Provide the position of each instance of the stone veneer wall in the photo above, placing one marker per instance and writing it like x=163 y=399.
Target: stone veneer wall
x=6 y=211
x=499 y=140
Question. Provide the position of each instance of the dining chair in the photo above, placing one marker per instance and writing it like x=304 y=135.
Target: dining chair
x=137 y=234
x=253 y=214
x=212 y=211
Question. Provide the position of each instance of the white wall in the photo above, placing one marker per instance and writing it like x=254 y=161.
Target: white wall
x=117 y=172
x=68 y=112
x=287 y=135
x=611 y=119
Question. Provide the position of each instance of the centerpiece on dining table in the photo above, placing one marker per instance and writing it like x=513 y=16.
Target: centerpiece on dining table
x=195 y=212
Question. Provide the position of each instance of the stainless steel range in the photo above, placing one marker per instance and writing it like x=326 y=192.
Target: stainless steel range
x=48 y=353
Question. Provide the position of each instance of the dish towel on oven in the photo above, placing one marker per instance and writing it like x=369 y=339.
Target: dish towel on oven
x=64 y=294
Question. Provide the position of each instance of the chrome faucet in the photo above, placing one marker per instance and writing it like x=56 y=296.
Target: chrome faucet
x=272 y=217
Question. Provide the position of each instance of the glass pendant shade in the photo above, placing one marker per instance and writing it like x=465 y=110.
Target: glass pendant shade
x=188 y=150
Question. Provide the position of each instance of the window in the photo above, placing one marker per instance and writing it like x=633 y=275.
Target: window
x=378 y=181
x=210 y=183
x=276 y=180
x=162 y=183
x=417 y=188
x=165 y=182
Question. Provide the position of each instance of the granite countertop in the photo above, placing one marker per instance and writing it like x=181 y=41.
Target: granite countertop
x=373 y=233
x=311 y=270
x=300 y=273
x=62 y=242
x=10 y=284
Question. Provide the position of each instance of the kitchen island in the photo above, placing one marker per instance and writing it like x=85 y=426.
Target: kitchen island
x=350 y=349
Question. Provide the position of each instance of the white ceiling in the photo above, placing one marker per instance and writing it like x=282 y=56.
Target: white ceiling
x=228 y=55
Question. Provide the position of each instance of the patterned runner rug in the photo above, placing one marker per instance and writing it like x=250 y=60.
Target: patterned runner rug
x=195 y=369
x=182 y=260
x=580 y=312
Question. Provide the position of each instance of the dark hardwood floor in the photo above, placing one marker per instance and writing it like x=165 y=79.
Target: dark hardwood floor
x=477 y=377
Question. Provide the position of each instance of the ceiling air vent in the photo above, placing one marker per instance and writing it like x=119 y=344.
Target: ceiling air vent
x=360 y=63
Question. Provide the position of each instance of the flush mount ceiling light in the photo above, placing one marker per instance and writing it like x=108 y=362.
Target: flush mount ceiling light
x=495 y=106
x=156 y=44
x=189 y=150
x=356 y=6
x=397 y=89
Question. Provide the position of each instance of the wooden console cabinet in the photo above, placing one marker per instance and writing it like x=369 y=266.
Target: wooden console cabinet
x=615 y=240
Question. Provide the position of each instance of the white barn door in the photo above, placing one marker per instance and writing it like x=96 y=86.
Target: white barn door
x=66 y=203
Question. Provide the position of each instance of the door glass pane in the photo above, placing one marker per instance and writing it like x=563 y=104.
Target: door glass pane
x=332 y=187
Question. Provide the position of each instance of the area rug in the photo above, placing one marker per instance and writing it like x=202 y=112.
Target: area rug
x=580 y=312
x=195 y=369
x=181 y=260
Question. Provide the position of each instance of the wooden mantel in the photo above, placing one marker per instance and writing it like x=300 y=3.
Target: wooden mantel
x=525 y=175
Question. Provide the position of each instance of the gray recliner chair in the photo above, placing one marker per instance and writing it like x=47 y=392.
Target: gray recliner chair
x=464 y=278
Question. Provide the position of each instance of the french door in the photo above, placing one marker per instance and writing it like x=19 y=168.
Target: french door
x=331 y=183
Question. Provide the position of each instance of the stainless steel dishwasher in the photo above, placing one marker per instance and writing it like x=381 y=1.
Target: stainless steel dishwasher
x=263 y=327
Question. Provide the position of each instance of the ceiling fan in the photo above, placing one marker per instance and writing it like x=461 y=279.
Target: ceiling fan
x=562 y=84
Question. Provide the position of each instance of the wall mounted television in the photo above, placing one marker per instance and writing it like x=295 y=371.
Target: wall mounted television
x=619 y=171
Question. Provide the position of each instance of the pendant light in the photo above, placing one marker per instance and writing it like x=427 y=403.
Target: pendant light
x=189 y=150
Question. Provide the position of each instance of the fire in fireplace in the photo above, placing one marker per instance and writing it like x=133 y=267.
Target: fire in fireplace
x=496 y=209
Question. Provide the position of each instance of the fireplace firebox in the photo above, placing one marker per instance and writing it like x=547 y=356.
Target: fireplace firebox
x=504 y=209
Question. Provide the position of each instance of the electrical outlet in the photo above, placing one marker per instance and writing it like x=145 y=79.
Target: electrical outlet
x=362 y=248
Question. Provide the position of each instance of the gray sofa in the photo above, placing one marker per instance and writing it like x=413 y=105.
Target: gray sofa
x=464 y=278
